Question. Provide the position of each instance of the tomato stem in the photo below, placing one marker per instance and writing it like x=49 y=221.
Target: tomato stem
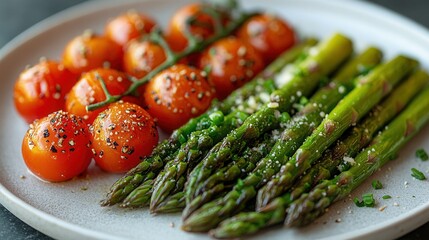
x=195 y=44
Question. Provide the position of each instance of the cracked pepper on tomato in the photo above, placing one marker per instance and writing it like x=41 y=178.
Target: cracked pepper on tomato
x=177 y=94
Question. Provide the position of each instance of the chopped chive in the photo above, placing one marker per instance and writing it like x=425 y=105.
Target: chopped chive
x=386 y=197
x=303 y=101
x=358 y=202
x=422 y=154
x=376 y=184
x=417 y=174
x=368 y=200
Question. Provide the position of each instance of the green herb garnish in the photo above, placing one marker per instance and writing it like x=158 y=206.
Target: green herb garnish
x=387 y=197
x=358 y=202
x=376 y=184
x=417 y=174
x=368 y=200
x=422 y=154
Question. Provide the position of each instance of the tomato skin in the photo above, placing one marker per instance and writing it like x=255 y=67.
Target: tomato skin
x=89 y=51
x=175 y=34
x=142 y=57
x=88 y=90
x=177 y=94
x=42 y=89
x=128 y=26
x=122 y=136
x=268 y=34
x=57 y=147
x=232 y=63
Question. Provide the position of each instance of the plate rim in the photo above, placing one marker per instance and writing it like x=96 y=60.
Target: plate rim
x=64 y=229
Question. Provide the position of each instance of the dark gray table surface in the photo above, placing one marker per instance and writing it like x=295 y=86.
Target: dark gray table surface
x=18 y=15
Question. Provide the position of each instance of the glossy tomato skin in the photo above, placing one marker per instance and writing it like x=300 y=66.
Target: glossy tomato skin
x=90 y=51
x=268 y=34
x=42 y=89
x=122 y=136
x=57 y=147
x=141 y=57
x=177 y=94
x=231 y=63
x=88 y=90
x=128 y=26
x=176 y=29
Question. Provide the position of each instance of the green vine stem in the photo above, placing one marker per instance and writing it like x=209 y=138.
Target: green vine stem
x=195 y=44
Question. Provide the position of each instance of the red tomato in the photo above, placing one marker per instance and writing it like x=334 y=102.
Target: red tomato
x=122 y=136
x=231 y=63
x=57 y=147
x=178 y=94
x=176 y=30
x=268 y=34
x=128 y=26
x=42 y=89
x=89 y=51
x=88 y=90
x=142 y=57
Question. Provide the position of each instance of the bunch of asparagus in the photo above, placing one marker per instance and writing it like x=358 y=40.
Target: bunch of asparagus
x=278 y=145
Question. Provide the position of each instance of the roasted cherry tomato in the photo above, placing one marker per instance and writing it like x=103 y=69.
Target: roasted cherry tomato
x=231 y=63
x=128 y=26
x=204 y=26
x=142 y=57
x=89 y=51
x=177 y=94
x=268 y=34
x=41 y=89
x=57 y=147
x=122 y=136
x=88 y=90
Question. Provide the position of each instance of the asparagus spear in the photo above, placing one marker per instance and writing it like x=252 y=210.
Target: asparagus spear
x=300 y=127
x=382 y=149
x=224 y=178
x=353 y=107
x=167 y=182
x=302 y=81
x=350 y=145
x=150 y=166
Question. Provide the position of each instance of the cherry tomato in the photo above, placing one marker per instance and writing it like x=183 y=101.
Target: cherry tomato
x=176 y=30
x=122 y=136
x=41 y=89
x=177 y=94
x=231 y=63
x=128 y=26
x=142 y=57
x=88 y=90
x=268 y=34
x=57 y=147
x=89 y=51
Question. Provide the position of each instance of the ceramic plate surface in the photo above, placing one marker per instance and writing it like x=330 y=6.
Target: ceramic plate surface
x=66 y=211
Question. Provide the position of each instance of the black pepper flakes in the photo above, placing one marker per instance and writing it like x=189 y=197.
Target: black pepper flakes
x=53 y=149
x=45 y=133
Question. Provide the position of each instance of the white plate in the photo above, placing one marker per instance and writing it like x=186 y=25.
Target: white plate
x=66 y=211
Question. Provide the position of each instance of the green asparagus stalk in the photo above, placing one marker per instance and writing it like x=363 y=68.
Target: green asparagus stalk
x=199 y=142
x=303 y=80
x=150 y=166
x=347 y=113
x=382 y=149
x=349 y=146
x=299 y=128
x=197 y=146
x=225 y=178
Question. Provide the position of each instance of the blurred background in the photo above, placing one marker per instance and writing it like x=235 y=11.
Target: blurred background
x=18 y=15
